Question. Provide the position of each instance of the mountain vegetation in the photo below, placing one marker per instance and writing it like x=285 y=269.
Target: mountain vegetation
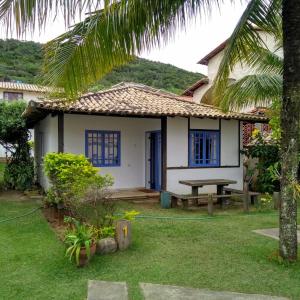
x=22 y=61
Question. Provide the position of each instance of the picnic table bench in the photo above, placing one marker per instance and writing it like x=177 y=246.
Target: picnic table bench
x=223 y=192
x=252 y=195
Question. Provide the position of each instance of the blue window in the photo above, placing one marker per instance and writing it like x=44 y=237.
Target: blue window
x=103 y=148
x=204 y=148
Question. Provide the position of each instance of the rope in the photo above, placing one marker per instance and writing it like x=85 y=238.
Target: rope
x=21 y=216
x=207 y=218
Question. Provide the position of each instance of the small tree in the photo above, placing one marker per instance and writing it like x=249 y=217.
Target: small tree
x=14 y=137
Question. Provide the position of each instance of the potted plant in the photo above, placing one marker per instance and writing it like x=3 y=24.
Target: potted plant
x=80 y=240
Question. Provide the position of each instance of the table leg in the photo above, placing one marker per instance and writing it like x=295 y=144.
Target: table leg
x=195 y=193
x=220 y=189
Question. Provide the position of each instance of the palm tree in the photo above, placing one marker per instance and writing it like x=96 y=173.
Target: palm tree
x=262 y=88
x=113 y=33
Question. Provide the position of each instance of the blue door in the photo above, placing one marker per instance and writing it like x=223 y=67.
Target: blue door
x=155 y=160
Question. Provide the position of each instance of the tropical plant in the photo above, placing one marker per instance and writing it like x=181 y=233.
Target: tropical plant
x=14 y=136
x=69 y=175
x=107 y=231
x=96 y=205
x=240 y=48
x=259 y=89
x=265 y=151
x=79 y=237
x=111 y=36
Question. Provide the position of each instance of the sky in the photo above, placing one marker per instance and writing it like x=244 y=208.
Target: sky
x=187 y=48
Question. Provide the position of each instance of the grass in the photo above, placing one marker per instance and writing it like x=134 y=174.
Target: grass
x=2 y=167
x=220 y=253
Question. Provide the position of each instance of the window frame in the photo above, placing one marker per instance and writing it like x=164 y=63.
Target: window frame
x=13 y=93
x=102 y=133
x=218 y=150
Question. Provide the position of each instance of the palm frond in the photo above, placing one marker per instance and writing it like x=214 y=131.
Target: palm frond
x=265 y=61
x=112 y=36
x=25 y=15
x=259 y=15
x=251 y=91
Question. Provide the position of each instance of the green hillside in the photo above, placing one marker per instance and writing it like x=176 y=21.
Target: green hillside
x=22 y=61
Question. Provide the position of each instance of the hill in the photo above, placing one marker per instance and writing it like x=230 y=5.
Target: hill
x=22 y=61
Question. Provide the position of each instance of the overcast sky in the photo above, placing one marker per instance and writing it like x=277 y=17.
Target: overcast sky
x=187 y=48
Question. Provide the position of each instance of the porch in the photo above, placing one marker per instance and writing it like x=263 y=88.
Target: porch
x=135 y=194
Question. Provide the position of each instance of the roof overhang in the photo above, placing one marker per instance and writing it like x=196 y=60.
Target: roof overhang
x=195 y=86
x=211 y=54
x=132 y=101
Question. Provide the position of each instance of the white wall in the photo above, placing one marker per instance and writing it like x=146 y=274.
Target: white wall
x=177 y=141
x=239 y=71
x=177 y=153
x=230 y=144
x=131 y=173
x=27 y=96
x=49 y=130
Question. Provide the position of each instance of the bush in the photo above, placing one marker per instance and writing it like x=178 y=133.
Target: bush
x=76 y=185
x=266 y=151
x=69 y=175
x=19 y=171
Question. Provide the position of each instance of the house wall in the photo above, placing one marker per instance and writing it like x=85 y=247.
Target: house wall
x=177 y=153
x=46 y=140
x=27 y=96
x=131 y=173
x=239 y=71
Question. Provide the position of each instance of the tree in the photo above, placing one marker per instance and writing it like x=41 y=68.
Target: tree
x=261 y=88
x=14 y=135
x=290 y=128
x=112 y=34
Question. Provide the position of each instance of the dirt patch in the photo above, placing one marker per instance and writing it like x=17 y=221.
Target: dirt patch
x=55 y=218
x=11 y=195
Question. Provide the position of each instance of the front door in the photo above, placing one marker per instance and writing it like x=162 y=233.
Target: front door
x=155 y=160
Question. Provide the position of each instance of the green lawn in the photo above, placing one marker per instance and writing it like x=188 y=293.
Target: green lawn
x=219 y=254
x=2 y=166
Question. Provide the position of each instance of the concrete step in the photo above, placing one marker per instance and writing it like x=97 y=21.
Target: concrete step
x=107 y=290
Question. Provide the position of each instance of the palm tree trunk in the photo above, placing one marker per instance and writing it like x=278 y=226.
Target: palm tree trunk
x=290 y=129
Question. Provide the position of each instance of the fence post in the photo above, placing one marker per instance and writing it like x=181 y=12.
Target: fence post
x=210 y=204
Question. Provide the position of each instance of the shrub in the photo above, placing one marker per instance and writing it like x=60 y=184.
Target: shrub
x=266 y=151
x=96 y=204
x=76 y=184
x=69 y=175
x=19 y=171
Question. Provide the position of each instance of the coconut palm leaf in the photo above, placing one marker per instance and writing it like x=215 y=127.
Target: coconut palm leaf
x=245 y=40
x=265 y=61
x=251 y=91
x=24 y=15
x=112 y=36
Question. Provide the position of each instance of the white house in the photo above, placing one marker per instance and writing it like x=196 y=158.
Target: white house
x=143 y=137
x=11 y=91
x=201 y=91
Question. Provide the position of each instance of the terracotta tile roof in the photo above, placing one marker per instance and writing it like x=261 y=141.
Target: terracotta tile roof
x=16 y=86
x=196 y=85
x=136 y=100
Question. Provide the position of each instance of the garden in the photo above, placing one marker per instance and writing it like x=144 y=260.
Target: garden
x=77 y=233
x=168 y=247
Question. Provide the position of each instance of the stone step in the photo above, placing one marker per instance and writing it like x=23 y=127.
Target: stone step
x=162 y=292
x=107 y=290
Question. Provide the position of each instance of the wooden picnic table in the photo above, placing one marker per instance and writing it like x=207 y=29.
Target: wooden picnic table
x=196 y=184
